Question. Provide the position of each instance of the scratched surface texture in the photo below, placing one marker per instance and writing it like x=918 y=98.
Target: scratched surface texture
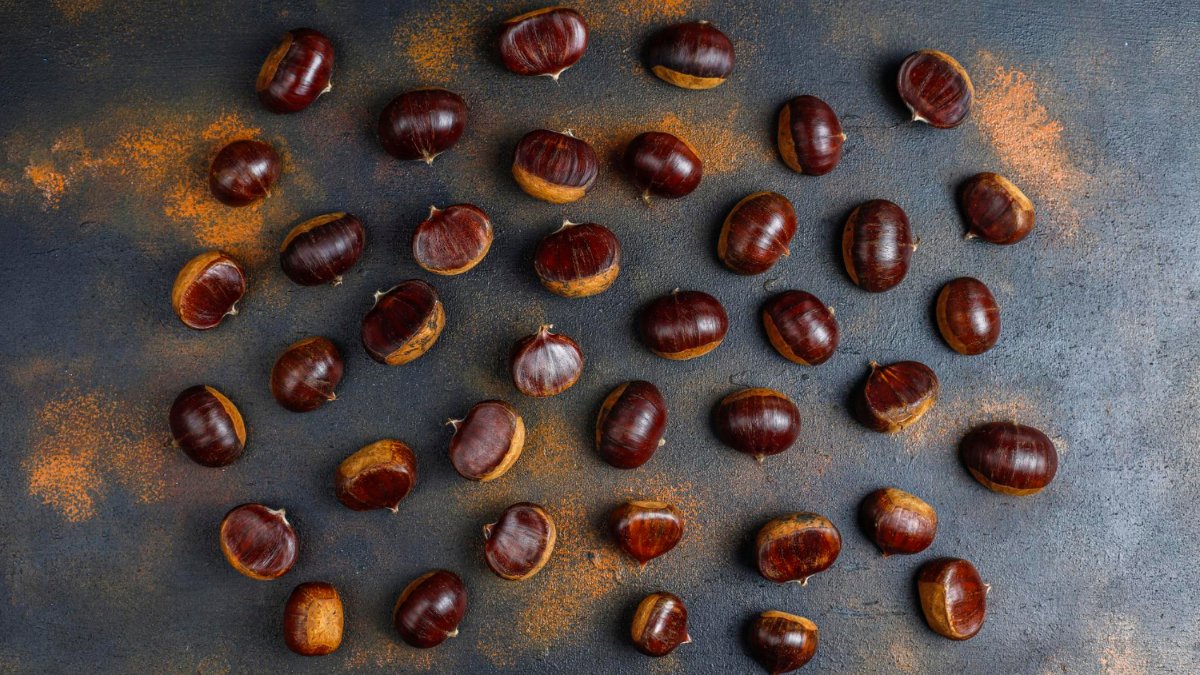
x=110 y=112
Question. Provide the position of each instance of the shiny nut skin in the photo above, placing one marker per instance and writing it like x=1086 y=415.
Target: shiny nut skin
x=378 y=476
x=313 y=619
x=661 y=165
x=691 y=55
x=801 y=327
x=894 y=397
x=545 y=364
x=296 y=71
x=631 y=424
x=877 y=245
x=452 y=240
x=757 y=233
x=996 y=210
x=422 y=123
x=578 y=259
x=207 y=426
x=898 y=522
x=430 y=609
x=404 y=323
x=259 y=542
x=781 y=642
x=646 y=530
x=544 y=42
x=810 y=136
x=520 y=543
x=758 y=422
x=1010 y=458
x=683 y=325
x=207 y=289
x=935 y=88
x=554 y=167
x=796 y=546
x=306 y=374
x=243 y=172
x=953 y=597
x=320 y=250
x=660 y=624
x=487 y=441
x=968 y=316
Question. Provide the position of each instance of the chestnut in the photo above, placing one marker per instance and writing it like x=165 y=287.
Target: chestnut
x=313 y=618
x=660 y=624
x=662 y=165
x=452 y=240
x=757 y=233
x=631 y=424
x=996 y=210
x=895 y=396
x=207 y=426
x=691 y=55
x=259 y=542
x=422 y=123
x=683 y=324
x=378 y=476
x=320 y=250
x=646 y=530
x=781 y=642
x=488 y=441
x=759 y=422
x=520 y=542
x=953 y=597
x=207 y=288
x=800 y=327
x=935 y=88
x=554 y=167
x=578 y=259
x=404 y=322
x=796 y=546
x=543 y=42
x=243 y=172
x=877 y=245
x=897 y=521
x=430 y=609
x=810 y=136
x=296 y=71
x=968 y=316
x=1010 y=458
x=545 y=363
x=305 y=374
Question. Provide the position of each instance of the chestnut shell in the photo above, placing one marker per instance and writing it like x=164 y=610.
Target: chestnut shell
x=953 y=597
x=543 y=42
x=578 y=259
x=894 y=397
x=801 y=327
x=631 y=424
x=207 y=289
x=781 y=642
x=422 y=123
x=243 y=172
x=404 y=322
x=683 y=324
x=207 y=426
x=452 y=240
x=757 y=233
x=313 y=619
x=796 y=546
x=996 y=210
x=520 y=543
x=296 y=71
x=545 y=364
x=877 y=245
x=488 y=441
x=662 y=165
x=898 y=522
x=1010 y=458
x=758 y=422
x=258 y=541
x=691 y=55
x=430 y=608
x=660 y=624
x=554 y=167
x=645 y=529
x=968 y=316
x=810 y=136
x=320 y=250
x=935 y=88
x=305 y=374
x=378 y=476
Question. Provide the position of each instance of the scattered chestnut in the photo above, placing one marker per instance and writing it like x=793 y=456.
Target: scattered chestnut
x=757 y=233
x=554 y=167
x=259 y=542
x=796 y=546
x=801 y=327
x=631 y=424
x=877 y=245
x=1010 y=458
x=968 y=316
x=296 y=71
x=897 y=521
x=452 y=240
x=759 y=422
x=207 y=288
x=683 y=324
x=578 y=260
x=313 y=618
x=306 y=373
x=543 y=42
x=430 y=609
x=810 y=136
x=935 y=88
x=320 y=250
x=662 y=165
x=660 y=624
x=781 y=642
x=894 y=397
x=646 y=530
x=691 y=55
x=378 y=476
x=422 y=123
x=545 y=363
x=488 y=441
x=520 y=542
x=243 y=172
x=404 y=322
x=207 y=426
x=953 y=597
x=996 y=210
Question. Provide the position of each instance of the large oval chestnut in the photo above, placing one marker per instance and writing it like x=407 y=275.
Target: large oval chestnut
x=781 y=642
x=578 y=260
x=660 y=624
x=646 y=530
x=320 y=250
x=898 y=522
x=801 y=327
x=691 y=55
x=631 y=424
x=758 y=422
x=306 y=374
x=895 y=396
x=810 y=136
x=877 y=245
x=452 y=240
x=796 y=546
x=313 y=619
x=422 y=123
x=683 y=324
x=243 y=172
x=996 y=210
x=488 y=441
x=545 y=363
x=520 y=542
x=968 y=316
x=378 y=476
x=296 y=71
x=543 y=42
x=661 y=165
x=207 y=426
x=259 y=542
x=953 y=597
x=207 y=289
x=554 y=167
x=757 y=233
x=935 y=88
x=1010 y=458
x=430 y=609
x=404 y=322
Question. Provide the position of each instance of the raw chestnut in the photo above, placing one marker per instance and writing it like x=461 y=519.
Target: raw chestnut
x=810 y=137
x=430 y=609
x=545 y=363
x=543 y=42
x=259 y=542
x=452 y=240
x=660 y=624
x=578 y=259
x=996 y=210
x=662 y=165
x=968 y=316
x=306 y=374
x=781 y=642
x=646 y=530
x=877 y=245
x=404 y=322
x=683 y=324
x=757 y=233
x=1010 y=458
x=377 y=477
x=631 y=424
x=554 y=167
x=313 y=619
x=320 y=250
x=207 y=426
x=801 y=327
x=953 y=597
x=520 y=542
x=758 y=422
x=796 y=546
x=488 y=441
x=935 y=88
x=207 y=288
x=894 y=397
x=691 y=55
x=296 y=71
x=243 y=172
x=422 y=123
x=898 y=522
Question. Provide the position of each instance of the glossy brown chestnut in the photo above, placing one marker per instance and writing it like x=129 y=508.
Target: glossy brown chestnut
x=259 y=542
x=953 y=597
x=662 y=165
x=660 y=624
x=691 y=55
x=488 y=441
x=430 y=609
x=377 y=477
x=452 y=240
x=810 y=136
x=1010 y=458
x=646 y=530
x=543 y=42
x=801 y=327
x=207 y=288
x=313 y=618
x=320 y=250
x=894 y=397
x=296 y=71
x=306 y=374
x=578 y=259
x=545 y=363
x=877 y=245
x=520 y=542
x=207 y=426
x=631 y=424
x=781 y=642
x=759 y=422
x=996 y=210
x=796 y=546
x=422 y=123
x=898 y=522
x=554 y=167
x=935 y=88
x=968 y=316
x=243 y=172
x=757 y=233
x=404 y=322
x=683 y=324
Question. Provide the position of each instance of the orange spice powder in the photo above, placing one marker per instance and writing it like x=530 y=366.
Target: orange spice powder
x=617 y=14
x=49 y=182
x=439 y=43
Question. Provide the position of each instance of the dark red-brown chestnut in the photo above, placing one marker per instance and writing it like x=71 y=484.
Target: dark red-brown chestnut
x=243 y=172
x=953 y=597
x=996 y=210
x=543 y=42
x=895 y=396
x=578 y=259
x=306 y=373
x=660 y=624
x=259 y=542
x=796 y=546
x=422 y=123
x=488 y=441
x=800 y=327
x=207 y=426
x=377 y=477
x=452 y=240
x=430 y=609
x=683 y=324
x=554 y=167
x=631 y=424
x=968 y=316
x=935 y=88
x=810 y=136
x=404 y=322
x=757 y=233
x=313 y=619
x=320 y=250
x=781 y=642
x=296 y=71
x=545 y=363
x=646 y=530
x=877 y=245
x=1010 y=458
x=520 y=542
x=661 y=165
x=759 y=422
x=691 y=55
x=898 y=522
x=207 y=288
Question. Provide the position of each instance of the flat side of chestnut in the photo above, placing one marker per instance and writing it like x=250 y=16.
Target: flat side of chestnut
x=258 y=541
x=313 y=619
x=796 y=546
x=554 y=167
x=235 y=416
x=691 y=55
x=520 y=544
x=378 y=476
x=207 y=289
x=296 y=72
x=997 y=211
x=646 y=529
x=953 y=597
x=685 y=81
x=452 y=240
x=896 y=396
x=271 y=65
x=578 y=259
x=479 y=449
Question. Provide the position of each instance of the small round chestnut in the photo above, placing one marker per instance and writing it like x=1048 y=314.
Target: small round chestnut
x=313 y=619
x=543 y=42
x=243 y=172
x=781 y=642
x=757 y=233
x=320 y=250
x=377 y=477
x=296 y=71
x=1010 y=458
x=207 y=288
x=810 y=136
x=452 y=240
x=661 y=165
x=996 y=210
x=935 y=88
x=430 y=609
x=404 y=322
x=488 y=441
x=801 y=327
x=520 y=543
x=259 y=542
x=554 y=167
x=877 y=245
x=646 y=530
x=422 y=123
x=758 y=422
x=898 y=522
x=578 y=259
x=895 y=396
x=545 y=364
x=660 y=624
x=306 y=374
x=207 y=426
x=953 y=597
x=683 y=324
x=968 y=316
x=631 y=424
x=796 y=546
x=691 y=55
